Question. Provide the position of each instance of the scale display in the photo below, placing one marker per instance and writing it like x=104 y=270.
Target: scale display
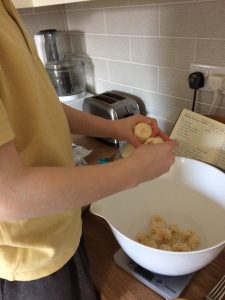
x=169 y=287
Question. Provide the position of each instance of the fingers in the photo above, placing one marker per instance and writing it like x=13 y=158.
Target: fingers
x=135 y=141
x=154 y=125
x=164 y=136
x=134 y=131
x=173 y=144
x=156 y=131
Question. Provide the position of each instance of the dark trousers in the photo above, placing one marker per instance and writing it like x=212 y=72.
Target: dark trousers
x=72 y=282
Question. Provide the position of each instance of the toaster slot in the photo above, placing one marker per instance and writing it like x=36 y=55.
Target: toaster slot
x=115 y=96
x=109 y=98
x=105 y=99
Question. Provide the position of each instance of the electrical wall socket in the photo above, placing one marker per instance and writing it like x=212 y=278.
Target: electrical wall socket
x=207 y=71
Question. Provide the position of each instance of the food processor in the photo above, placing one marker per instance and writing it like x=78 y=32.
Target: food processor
x=65 y=69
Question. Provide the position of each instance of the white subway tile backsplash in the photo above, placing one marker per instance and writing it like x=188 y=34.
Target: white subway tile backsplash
x=204 y=19
x=134 y=75
x=100 y=86
x=162 y=106
x=210 y=52
x=49 y=8
x=174 y=83
x=165 y=125
x=145 y=2
x=40 y=21
x=218 y=111
x=97 y=68
x=207 y=97
x=86 y=21
x=202 y=108
x=143 y=47
x=78 y=43
x=25 y=11
x=97 y=4
x=76 y=5
x=105 y=3
x=164 y=52
x=112 y=47
x=142 y=21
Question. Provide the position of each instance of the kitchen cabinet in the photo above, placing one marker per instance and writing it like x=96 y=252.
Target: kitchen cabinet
x=37 y=3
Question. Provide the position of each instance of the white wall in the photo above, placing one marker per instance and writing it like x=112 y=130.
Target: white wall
x=143 y=47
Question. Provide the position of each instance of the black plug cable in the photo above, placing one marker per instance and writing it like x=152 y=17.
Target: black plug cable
x=196 y=81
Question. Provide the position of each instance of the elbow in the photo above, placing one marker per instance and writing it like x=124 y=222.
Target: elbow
x=11 y=208
x=13 y=195
x=8 y=211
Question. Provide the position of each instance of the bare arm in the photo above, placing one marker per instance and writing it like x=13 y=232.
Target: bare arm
x=28 y=192
x=90 y=125
x=87 y=124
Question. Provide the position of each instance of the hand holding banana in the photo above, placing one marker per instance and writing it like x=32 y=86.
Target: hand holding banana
x=149 y=161
x=143 y=132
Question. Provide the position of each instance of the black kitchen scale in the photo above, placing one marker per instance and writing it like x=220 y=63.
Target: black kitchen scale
x=169 y=287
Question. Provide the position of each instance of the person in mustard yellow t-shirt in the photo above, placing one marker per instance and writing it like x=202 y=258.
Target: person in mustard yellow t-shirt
x=41 y=192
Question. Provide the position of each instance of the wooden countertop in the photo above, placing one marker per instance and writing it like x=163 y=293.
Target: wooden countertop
x=112 y=282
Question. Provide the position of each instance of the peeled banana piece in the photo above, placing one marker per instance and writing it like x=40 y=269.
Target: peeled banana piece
x=143 y=131
x=154 y=140
x=127 y=150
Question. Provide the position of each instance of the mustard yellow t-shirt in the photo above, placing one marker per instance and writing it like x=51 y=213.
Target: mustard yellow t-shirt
x=31 y=115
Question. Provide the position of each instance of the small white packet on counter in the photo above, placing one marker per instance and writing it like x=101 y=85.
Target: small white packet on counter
x=79 y=154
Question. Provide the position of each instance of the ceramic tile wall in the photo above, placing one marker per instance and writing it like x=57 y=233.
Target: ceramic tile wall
x=143 y=47
x=37 y=19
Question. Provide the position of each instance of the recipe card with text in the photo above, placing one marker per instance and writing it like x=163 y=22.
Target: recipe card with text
x=200 y=138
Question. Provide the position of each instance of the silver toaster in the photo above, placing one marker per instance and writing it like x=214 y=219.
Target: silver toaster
x=111 y=105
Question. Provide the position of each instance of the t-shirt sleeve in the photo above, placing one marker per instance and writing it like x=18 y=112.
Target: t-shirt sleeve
x=6 y=131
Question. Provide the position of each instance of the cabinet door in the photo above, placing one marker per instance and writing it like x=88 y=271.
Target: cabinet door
x=36 y=3
x=23 y=3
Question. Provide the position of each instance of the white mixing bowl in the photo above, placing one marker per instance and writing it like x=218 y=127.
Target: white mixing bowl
x=192 y=195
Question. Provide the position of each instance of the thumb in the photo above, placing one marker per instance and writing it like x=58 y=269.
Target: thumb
x=134 y=141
